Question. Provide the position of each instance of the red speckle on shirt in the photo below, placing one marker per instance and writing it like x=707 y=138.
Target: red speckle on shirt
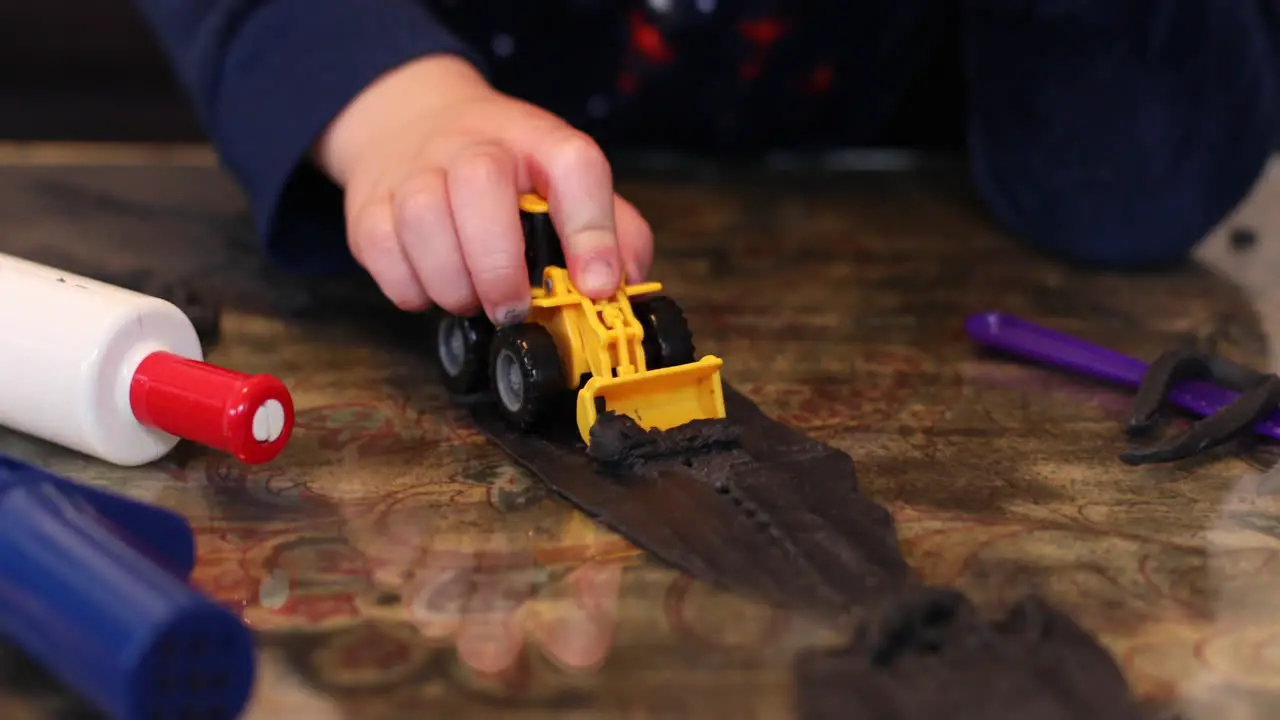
x=820 y=80
x=762 y=33
x=648 y=41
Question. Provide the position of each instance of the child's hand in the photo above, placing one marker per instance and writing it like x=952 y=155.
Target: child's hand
x=433 y=161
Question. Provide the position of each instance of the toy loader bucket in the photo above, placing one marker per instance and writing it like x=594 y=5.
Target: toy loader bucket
x=656 y=399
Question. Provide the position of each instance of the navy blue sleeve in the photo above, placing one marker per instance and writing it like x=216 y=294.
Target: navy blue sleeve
x=1119 y=133
x=267 y=76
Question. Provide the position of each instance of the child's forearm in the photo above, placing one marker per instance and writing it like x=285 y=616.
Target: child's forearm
x=267 y=76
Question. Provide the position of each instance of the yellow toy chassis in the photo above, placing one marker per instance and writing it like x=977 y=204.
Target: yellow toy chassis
x=631 y=354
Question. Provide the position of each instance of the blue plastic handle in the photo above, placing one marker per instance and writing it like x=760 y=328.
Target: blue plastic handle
x=83 y=597
x=159 y=533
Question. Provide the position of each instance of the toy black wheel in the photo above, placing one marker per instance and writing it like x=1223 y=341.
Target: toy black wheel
x=667 y=339
x=526 y=374
x=462 y=351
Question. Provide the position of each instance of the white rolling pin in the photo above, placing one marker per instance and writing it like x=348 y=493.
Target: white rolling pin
x=121 y=376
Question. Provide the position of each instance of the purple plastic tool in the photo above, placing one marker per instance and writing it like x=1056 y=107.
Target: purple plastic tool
x=1013 y=335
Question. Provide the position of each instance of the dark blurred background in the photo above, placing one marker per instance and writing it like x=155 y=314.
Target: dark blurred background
x=89 y=70
x=85 y=70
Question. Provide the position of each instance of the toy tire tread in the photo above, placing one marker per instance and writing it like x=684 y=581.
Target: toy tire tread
x=532 y=358
x=667 y=339
x=462 y=351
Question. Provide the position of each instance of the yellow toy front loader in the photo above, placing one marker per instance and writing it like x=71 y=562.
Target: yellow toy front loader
x=631 y=354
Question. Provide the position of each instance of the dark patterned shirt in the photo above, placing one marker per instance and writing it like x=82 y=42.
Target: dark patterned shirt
x=708 y=74
x=1110 y=132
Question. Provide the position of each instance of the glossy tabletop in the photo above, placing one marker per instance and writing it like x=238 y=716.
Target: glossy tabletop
x=395 y=564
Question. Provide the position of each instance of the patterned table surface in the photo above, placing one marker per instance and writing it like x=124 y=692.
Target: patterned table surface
x=395 y=564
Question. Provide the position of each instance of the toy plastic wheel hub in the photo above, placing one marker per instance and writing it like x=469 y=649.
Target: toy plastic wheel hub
x=452 y=341
x=510 y=381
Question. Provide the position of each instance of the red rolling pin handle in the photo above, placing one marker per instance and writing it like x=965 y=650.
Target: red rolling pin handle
x=249 y=416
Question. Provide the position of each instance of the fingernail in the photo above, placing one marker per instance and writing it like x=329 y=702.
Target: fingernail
x=598 y=277
x=511 y=314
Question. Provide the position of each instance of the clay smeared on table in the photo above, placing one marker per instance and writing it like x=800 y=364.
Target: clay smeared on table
x=926 y=654
x=619 y=444
x=745 y=503
x=753 y=505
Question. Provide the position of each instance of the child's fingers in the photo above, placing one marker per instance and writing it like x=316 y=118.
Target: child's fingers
x=424 y=222
x=635 y=240
x=580 y=195
x=484 y=197
x=376 y=246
